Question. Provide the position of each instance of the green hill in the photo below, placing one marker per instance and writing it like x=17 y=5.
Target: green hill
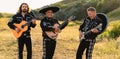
x=78 y=7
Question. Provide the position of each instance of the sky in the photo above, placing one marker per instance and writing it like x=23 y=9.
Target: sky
x=11 y=6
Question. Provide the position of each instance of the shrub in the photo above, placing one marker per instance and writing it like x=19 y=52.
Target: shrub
x=115 y=31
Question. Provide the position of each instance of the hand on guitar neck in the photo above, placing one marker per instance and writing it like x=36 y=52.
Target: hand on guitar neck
x=57 y=26
x=82 y=34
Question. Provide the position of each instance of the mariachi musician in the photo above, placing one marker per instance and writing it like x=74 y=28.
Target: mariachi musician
x=50 y=28
x=23 y=17
x=92 y=26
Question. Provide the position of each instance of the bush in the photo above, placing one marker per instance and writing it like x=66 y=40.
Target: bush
x=115 y=31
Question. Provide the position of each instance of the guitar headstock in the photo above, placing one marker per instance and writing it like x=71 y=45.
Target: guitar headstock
x=71 y=18
x=100 y=25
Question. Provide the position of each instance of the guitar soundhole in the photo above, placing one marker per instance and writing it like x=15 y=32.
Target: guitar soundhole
x=22 y=26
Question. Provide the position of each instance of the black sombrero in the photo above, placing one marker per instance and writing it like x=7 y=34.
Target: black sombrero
x=54 y=9
x=104 y=19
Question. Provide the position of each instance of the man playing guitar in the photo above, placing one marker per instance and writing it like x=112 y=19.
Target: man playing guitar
x=50 y=28
x=27 y=20
x=93 y=25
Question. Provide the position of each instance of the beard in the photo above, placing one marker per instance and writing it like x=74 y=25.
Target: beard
x=24 y=10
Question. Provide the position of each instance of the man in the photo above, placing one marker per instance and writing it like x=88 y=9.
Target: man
x=90 y=23
x=23 y=15
x=49 y=26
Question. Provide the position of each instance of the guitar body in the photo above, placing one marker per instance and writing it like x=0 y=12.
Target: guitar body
x=51 y=34
x=21 y=29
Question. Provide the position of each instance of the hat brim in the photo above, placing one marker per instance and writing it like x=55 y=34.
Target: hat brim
x=54 y=9
x=104 y=20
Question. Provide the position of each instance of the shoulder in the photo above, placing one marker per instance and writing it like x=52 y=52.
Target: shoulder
x=98 y=19
x=55 y=20
x=16 y=15
x=43 y=19
x=87 y=19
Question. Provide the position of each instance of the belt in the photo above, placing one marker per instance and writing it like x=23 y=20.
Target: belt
x=27 y=36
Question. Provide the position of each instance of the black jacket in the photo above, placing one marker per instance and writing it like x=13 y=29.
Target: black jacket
x=18 y=18
x=47 y=25
x=89 y=24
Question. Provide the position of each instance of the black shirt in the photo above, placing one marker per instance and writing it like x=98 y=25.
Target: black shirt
x=89 y=24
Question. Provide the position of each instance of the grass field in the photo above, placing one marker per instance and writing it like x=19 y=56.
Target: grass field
x=67 y=44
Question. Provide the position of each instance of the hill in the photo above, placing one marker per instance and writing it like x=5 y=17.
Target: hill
x=78 y=7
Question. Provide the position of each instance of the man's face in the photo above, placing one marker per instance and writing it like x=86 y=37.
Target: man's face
x=49 y=13
x=91 y=14
x=24 y=8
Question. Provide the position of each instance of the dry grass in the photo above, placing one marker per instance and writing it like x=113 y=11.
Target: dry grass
x=67 y=44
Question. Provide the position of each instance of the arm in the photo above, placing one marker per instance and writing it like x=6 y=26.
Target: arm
x=11 y=22
x=63 y=25
x=33 y=23
x=97 y=30
x=82 y=26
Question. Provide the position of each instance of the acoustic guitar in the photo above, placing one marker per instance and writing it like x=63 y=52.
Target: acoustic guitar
x=54 y=34
x=22 y=26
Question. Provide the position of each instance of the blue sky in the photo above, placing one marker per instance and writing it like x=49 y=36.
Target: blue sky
x=11 y=6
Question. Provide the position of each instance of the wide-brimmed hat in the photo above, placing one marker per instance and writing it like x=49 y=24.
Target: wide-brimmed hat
x=46 y=8
x=104 y=20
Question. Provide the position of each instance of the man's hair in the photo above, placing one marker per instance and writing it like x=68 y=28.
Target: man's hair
x=91 y=9
x=20 y=8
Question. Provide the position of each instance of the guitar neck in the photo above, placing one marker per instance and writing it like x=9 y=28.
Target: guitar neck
x=87 y=32
x=63 y=24
x=93 y=28
x=26 y=24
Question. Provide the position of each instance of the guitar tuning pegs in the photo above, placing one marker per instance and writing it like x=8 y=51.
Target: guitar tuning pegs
x=101 y=24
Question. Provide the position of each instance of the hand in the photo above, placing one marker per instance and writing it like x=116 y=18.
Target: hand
x=80 y=34
x=94 y=30
x=56 y=25
x=34 y=21
x=17 y=30
x=56 y=28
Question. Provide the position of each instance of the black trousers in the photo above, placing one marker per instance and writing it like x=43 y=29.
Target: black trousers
x=48 y=48
x=27 y=41
x=87 y=44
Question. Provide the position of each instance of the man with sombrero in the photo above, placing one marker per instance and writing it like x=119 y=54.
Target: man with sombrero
x=49 y=26
x=92 y=26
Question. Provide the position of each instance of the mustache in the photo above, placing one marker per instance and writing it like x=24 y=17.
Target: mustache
x=25 y=10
